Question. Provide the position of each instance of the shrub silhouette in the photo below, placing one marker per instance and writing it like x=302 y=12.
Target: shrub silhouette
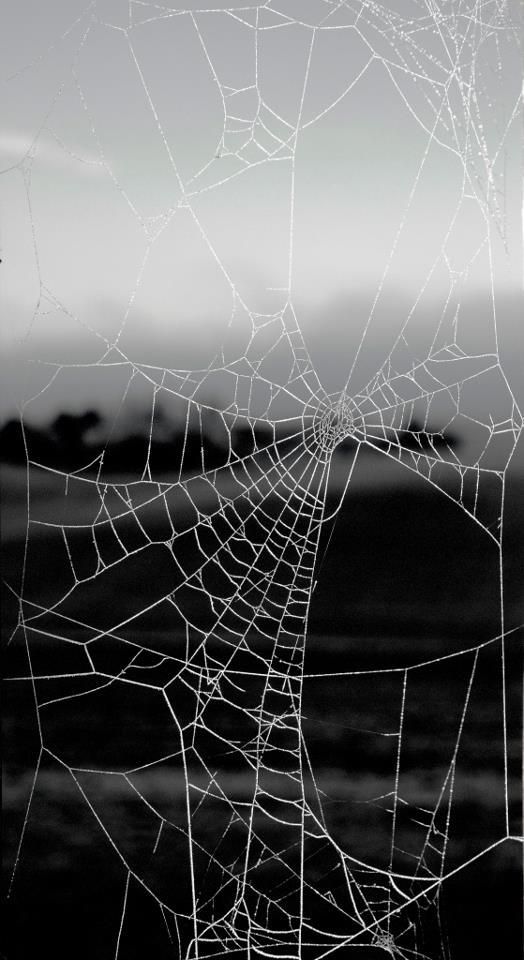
x=66 y=444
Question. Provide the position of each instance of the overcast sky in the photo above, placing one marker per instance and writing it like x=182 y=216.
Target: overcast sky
x=162 y=172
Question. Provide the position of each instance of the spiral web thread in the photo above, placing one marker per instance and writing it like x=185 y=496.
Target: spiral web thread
x=239 y=549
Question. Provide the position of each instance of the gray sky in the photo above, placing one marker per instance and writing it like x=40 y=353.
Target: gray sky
x=167 y=174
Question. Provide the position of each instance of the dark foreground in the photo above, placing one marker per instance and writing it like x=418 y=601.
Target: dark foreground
x=408 y=582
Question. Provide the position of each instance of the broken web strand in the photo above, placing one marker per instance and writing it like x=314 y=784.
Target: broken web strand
x=370 y=424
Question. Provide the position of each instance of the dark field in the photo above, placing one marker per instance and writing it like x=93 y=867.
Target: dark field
x=407 y=581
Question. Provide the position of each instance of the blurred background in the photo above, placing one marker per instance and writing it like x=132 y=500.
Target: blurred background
x=300 y=195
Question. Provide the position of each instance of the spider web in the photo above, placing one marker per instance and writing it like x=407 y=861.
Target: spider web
x=232 y=573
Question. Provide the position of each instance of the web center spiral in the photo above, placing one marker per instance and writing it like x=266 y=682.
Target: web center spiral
x=335 y=424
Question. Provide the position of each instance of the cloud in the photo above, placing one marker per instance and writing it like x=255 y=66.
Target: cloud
x=47 y=149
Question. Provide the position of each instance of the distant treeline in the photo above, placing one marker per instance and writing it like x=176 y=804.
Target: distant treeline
x=76 y=441
x=81 y=441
